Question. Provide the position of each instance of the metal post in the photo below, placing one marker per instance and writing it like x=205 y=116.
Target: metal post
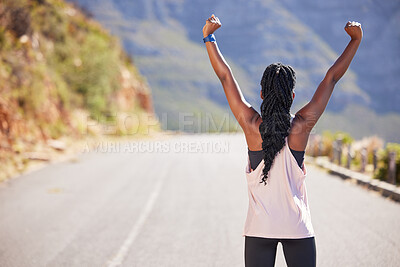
x=348 y=156
x=339 y=151
x=333 y=151
x=392 y=167
x=363 y=159
x=375 y=159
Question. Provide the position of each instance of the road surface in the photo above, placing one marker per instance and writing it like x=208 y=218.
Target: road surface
x=178 y=201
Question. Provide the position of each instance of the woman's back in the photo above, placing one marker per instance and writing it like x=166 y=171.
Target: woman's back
x=279 y=209
x=255 y=156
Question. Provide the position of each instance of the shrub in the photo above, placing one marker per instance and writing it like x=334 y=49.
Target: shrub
x=383 y=163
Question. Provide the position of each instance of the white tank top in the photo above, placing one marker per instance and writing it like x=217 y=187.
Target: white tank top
x=280 y=208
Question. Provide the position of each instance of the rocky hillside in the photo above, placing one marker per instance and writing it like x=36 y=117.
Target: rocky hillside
x=166 y=41
x=60 y=70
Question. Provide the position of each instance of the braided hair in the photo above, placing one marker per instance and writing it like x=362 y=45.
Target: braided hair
x=277 y=86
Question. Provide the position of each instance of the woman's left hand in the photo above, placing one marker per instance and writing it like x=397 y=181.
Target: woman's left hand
x=212 y=24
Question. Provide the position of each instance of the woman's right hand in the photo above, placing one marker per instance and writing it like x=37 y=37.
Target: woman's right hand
x=212 y=24
x=353 y=29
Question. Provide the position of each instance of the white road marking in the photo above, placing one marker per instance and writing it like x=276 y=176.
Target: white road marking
x=122 y=252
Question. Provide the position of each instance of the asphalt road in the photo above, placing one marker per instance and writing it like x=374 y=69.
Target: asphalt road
x=180 y=201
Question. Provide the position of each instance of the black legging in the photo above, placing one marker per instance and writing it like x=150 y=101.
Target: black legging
x=261 y=252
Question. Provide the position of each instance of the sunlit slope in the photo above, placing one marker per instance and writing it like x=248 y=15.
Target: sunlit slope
x=61 y=71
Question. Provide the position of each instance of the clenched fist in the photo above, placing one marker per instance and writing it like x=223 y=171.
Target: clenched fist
x=212 y=24
x=353 y=29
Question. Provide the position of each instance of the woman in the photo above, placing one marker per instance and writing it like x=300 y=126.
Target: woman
x=278 y=207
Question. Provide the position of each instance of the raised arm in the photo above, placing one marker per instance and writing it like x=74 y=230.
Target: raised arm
x=243 y=111
x=308 y=116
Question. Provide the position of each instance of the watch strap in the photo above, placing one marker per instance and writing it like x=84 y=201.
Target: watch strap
x=209 y=38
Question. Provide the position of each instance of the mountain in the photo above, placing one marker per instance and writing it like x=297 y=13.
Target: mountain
x=378 y=58
x=165 y=39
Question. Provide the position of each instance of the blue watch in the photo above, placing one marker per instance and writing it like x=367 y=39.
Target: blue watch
x=209 y=38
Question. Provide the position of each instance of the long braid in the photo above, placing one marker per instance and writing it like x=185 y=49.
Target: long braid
x=277 y=85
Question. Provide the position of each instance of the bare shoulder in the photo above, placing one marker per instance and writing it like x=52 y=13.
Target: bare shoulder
x=298 y=136
x=252 y=133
